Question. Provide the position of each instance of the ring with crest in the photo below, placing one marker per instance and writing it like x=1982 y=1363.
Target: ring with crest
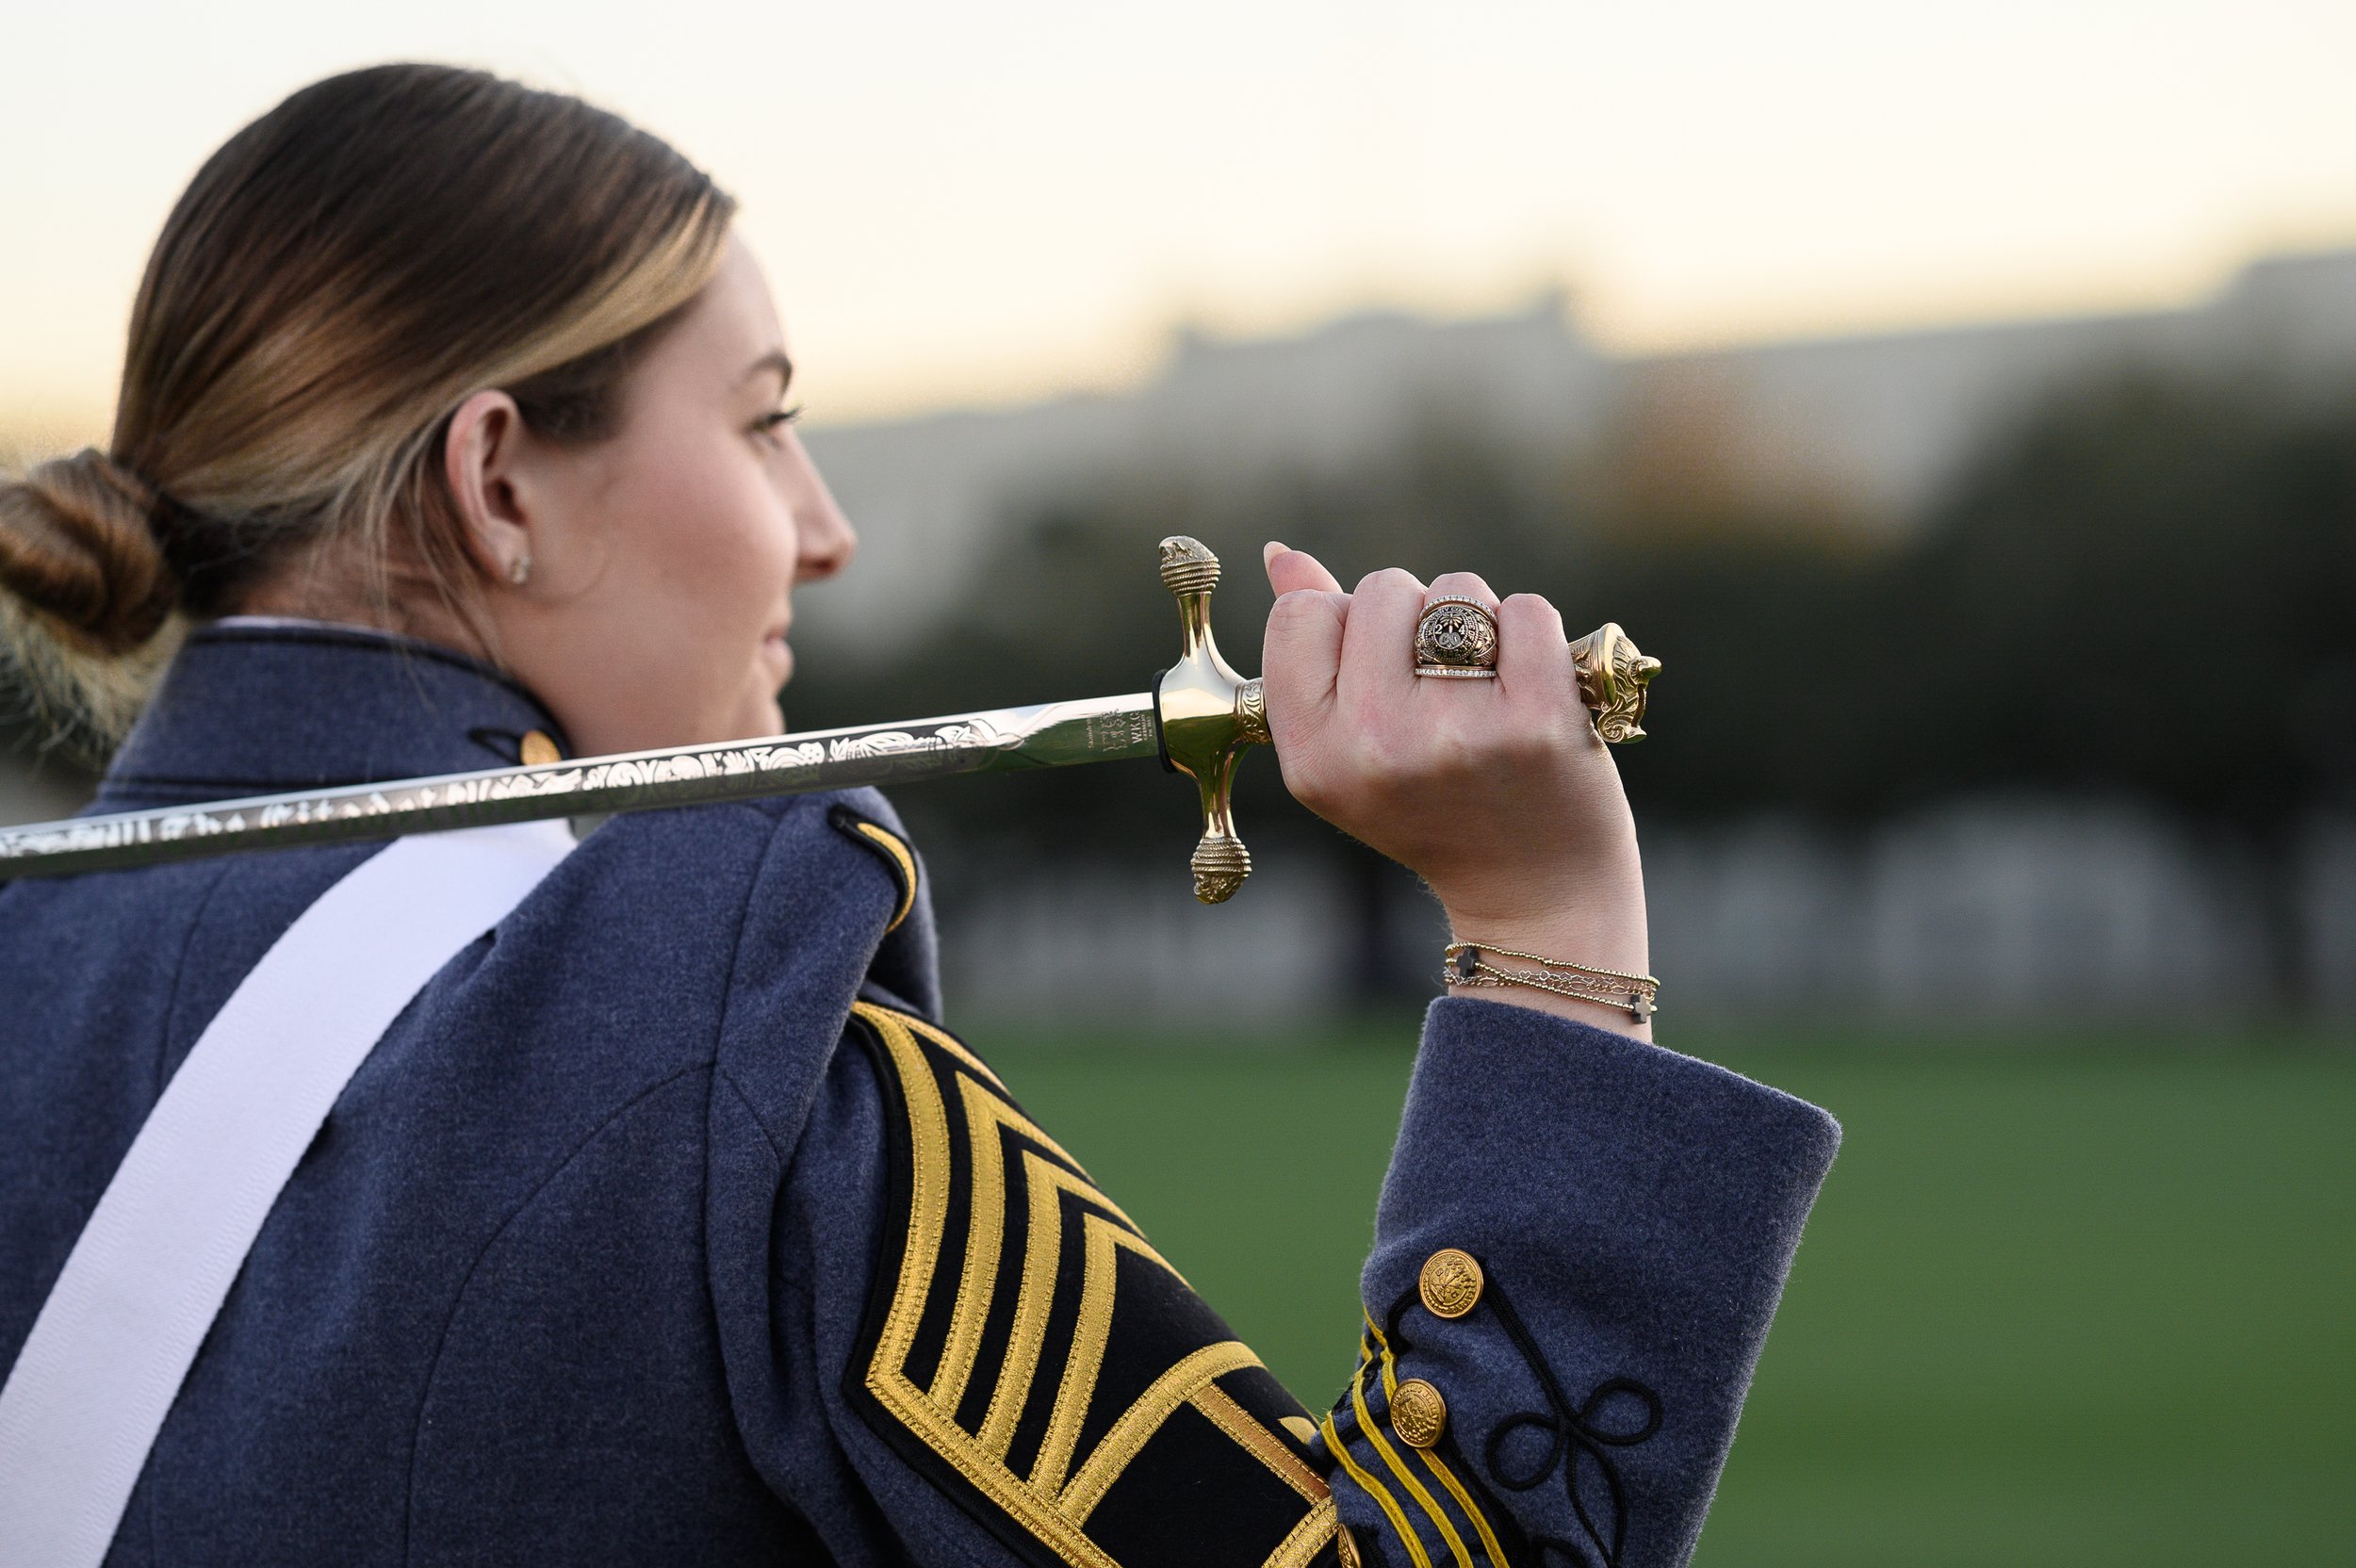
x=1456 y=638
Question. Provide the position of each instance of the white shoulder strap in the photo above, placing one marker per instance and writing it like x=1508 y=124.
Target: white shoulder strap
x=140 y=1290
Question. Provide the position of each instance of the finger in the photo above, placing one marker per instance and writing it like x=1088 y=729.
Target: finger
x=1461 y=585
x=1534 y=668
x=1300 y=656
x=1379 y=652
x=1289 y=568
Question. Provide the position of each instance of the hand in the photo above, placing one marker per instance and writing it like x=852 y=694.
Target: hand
x=1498 y=793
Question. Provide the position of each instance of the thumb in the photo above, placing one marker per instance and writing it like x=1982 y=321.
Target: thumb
x=1289 y=569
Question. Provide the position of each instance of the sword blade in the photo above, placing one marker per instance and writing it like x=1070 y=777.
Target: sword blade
x=1044 y=735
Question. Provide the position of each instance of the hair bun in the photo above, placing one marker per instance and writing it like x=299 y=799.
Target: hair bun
x=77 y=549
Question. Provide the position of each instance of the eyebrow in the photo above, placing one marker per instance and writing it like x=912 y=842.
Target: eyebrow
x=774 y=360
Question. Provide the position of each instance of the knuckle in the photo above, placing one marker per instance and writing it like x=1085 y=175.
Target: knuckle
x=1363 y=757
x=1308 y=786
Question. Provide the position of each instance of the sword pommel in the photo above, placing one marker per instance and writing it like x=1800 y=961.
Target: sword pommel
x=1208 y=715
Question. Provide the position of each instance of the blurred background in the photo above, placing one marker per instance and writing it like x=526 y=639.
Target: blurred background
x=1961 y=401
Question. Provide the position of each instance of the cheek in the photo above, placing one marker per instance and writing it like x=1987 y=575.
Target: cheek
x=737 y=547
x=708 y=549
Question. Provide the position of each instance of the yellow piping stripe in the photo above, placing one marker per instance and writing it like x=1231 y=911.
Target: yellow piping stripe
x=1433 y=1461
x=1456 y=1489
x=1380 y=1494
x=1390 y=1382
x=1406 y=1477
x=889 y=843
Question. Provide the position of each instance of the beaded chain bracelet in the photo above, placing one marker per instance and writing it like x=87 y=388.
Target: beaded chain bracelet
x=1467 y=964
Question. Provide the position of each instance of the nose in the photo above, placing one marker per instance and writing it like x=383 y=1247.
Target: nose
x=827 y=539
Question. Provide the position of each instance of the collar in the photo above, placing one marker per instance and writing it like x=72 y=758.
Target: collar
x=257 y=705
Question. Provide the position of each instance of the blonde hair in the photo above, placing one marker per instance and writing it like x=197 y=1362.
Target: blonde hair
x=333 y=281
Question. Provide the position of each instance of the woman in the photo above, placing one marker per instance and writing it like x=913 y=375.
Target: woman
x=665 y=1222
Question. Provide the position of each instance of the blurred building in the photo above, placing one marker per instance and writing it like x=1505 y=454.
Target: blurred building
x=1871 y=427
x=1992 y=909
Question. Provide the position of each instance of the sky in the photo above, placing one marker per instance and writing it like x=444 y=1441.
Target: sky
x=975 y=205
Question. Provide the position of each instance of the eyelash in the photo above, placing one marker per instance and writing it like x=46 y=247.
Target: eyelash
x=769 y=424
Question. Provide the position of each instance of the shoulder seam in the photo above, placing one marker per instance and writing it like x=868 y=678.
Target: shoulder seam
x=721 y=1075
x=458 y=1298
x=736 y=958
x=180 y=970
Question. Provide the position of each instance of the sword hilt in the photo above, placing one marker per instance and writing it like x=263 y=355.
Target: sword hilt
x=1208 y=713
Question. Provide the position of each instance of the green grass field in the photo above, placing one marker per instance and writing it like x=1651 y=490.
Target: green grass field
x=2058 y=1306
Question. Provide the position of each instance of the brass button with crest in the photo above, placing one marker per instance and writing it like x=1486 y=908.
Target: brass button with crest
x=1344 y=1548
x=538 y=749
x=1418 y=1415
x=1450 y=1283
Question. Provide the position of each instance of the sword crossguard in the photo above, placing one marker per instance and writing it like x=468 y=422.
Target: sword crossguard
x=1612 y=676
x=1209 y=714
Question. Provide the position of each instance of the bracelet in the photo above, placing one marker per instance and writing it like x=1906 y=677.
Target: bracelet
x=1467 y=964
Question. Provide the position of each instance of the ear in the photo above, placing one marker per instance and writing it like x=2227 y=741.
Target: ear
x=483 y=457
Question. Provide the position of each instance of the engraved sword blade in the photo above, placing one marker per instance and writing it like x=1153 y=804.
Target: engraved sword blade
x=1044 y=735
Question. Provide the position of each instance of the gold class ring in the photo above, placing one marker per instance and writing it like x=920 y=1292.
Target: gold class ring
x=1456 y=638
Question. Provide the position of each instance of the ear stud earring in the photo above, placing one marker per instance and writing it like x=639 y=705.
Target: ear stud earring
x=519 y=570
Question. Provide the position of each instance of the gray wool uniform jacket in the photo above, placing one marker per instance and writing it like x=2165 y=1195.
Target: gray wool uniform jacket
x=669 y=1224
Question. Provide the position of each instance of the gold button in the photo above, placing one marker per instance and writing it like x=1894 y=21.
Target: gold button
x=1418 y=1415
x=1450 y=1283
x=538 y=749
x=1344 y=1548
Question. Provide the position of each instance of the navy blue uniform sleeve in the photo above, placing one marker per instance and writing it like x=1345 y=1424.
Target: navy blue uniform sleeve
x=942 y=1343
x=1581 y=1242
x=945 y=1345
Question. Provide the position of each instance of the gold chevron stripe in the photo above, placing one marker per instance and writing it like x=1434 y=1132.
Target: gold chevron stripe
x=1308 y=1537
x=1054 y=1501
x=1238 y=1423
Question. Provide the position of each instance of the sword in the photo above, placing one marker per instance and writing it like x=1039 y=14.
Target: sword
x=1200 y=719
